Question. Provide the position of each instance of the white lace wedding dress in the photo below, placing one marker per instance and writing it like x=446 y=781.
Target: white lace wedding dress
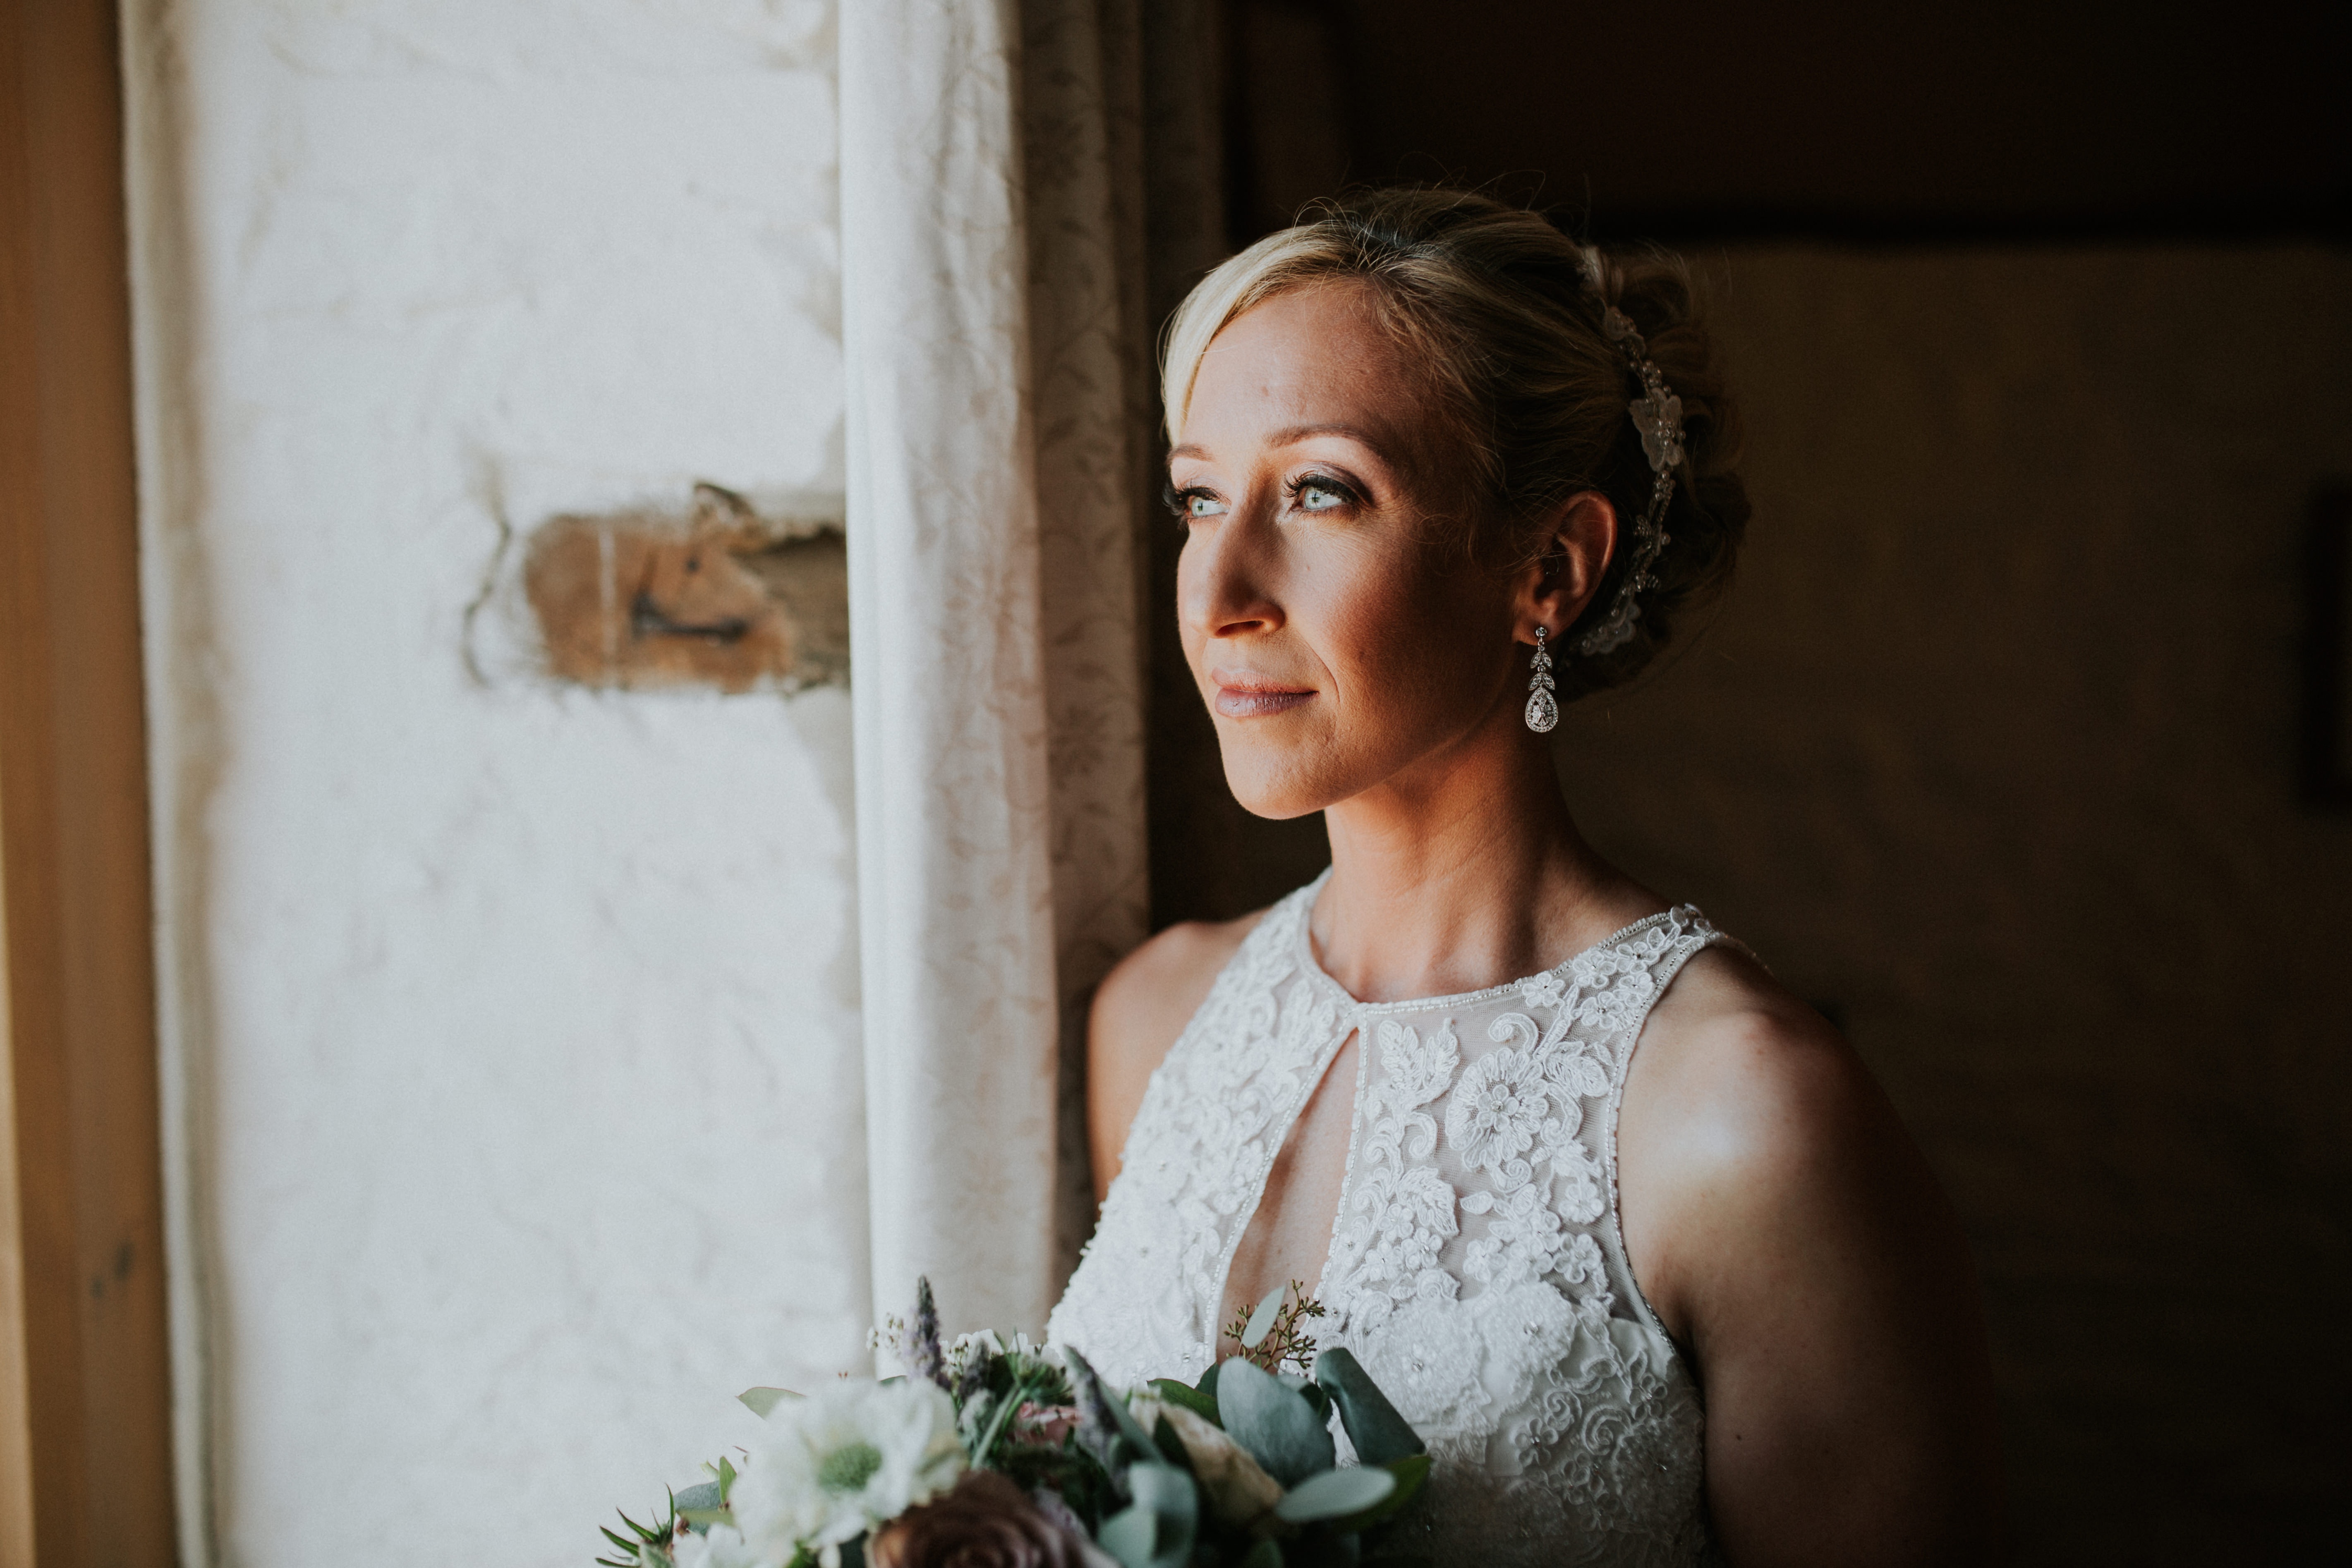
x=1476 y=1268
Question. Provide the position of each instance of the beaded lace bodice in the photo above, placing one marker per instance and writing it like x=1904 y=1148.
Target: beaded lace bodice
x=1476 y=1268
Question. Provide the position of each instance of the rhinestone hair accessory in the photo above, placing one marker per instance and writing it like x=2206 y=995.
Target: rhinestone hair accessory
x=1543 y=711
x=1658 y=415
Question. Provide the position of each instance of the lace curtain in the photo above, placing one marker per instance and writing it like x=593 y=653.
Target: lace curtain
x=997 y=428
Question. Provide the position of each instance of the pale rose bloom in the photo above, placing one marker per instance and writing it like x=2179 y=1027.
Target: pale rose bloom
x=1043 y=1424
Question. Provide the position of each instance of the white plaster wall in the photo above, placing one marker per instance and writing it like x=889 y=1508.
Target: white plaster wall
x=512 y=1056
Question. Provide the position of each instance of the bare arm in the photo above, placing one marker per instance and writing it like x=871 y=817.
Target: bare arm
x=1793 y=1240
x=1143 y=1005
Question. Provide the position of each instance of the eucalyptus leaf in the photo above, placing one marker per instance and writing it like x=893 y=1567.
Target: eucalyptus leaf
x=1313 y=1393
x=762 y=1400
x=1204 y=1405
x=1163 y=1489
x=1410 y=1472
x=1129 y=1535
x=1261 y=1322
x=703 y=1496
x=1276 y=1425
x=1208 y=1383
x=1379 y=1432
x=1335 y=1494
x=701 y=1520
x=1175 y=1505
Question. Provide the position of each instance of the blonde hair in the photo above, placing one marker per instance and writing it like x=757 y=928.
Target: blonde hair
x=1501 y=312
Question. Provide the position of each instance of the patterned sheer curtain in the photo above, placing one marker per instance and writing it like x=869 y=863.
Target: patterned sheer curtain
x=998 y=422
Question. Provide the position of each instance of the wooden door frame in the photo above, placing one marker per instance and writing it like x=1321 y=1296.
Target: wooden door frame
x=85 y=1387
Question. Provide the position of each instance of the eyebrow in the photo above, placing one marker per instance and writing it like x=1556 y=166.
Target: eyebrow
x=1290 y=435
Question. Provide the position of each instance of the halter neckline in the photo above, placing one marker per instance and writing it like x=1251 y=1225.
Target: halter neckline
x=1312 y=968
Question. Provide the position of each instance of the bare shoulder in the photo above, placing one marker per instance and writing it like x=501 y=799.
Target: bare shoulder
x=1140 y=1008
x=1740 y=1074
x=1747 y=1117
x=1145 y=1002
x=1792 y=1238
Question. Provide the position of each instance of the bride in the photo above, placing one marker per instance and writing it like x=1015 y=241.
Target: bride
x=1440 y=470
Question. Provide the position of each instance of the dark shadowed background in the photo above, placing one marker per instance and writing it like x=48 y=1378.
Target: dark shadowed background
x=2009 y=744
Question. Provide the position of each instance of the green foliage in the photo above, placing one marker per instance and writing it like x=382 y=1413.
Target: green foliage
x=1276 y=1424
x=1157 y=1529
x=1336 y=1494
x=760 y=1401
x=1136 y=1490
x=650 y=1549
x=1410 y=1472
x=1203 y=1405
x=1373 y=1425
x=1273 y=1336
x=703 y=1506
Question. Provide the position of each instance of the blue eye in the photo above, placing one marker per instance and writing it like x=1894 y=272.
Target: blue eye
x=1189 y=504
x=1318 y=495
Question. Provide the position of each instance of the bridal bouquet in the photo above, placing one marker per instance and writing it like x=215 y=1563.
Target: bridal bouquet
x=997 y=1454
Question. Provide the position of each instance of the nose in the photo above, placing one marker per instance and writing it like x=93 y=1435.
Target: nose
x=1224 y=579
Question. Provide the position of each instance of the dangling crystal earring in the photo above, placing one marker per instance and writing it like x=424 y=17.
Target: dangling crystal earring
x=1542 y=712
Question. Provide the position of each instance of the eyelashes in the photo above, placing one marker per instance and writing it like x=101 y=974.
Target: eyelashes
x=1298 y=492
x=1305 y=485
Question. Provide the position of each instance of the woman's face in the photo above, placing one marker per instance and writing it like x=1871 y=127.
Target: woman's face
x=1339 y=641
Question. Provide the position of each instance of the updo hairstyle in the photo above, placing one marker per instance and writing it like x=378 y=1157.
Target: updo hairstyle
x=1504 y=314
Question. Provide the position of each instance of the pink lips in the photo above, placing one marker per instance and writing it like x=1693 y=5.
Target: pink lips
x=1244 y=694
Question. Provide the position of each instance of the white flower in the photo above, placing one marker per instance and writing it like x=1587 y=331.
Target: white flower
x=1523 y=1241
x=723 y=1547
x=1620 y=1006
x=968 y=1350
x=1496 y=1109
x=850 y=1456
x=1578 y=1181
x=1580 y=1263
x=1416 y=1216
x=1239 y=1489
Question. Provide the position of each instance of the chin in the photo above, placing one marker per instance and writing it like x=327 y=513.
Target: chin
x=1272 y=782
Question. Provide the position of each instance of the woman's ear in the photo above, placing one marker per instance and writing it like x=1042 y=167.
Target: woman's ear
x=1558 y=588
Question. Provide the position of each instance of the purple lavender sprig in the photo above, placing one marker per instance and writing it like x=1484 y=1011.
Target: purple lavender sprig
x=924 y=1356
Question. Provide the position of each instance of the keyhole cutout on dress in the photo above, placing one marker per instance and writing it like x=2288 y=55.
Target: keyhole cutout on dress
x=1289 y=1235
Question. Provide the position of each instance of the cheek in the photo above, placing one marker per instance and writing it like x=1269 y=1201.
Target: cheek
x=1408 y=646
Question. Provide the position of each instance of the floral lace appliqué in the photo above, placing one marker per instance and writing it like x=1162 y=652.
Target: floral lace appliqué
x=1476 y=1265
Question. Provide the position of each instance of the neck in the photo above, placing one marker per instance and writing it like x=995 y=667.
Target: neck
x=1467 y=872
